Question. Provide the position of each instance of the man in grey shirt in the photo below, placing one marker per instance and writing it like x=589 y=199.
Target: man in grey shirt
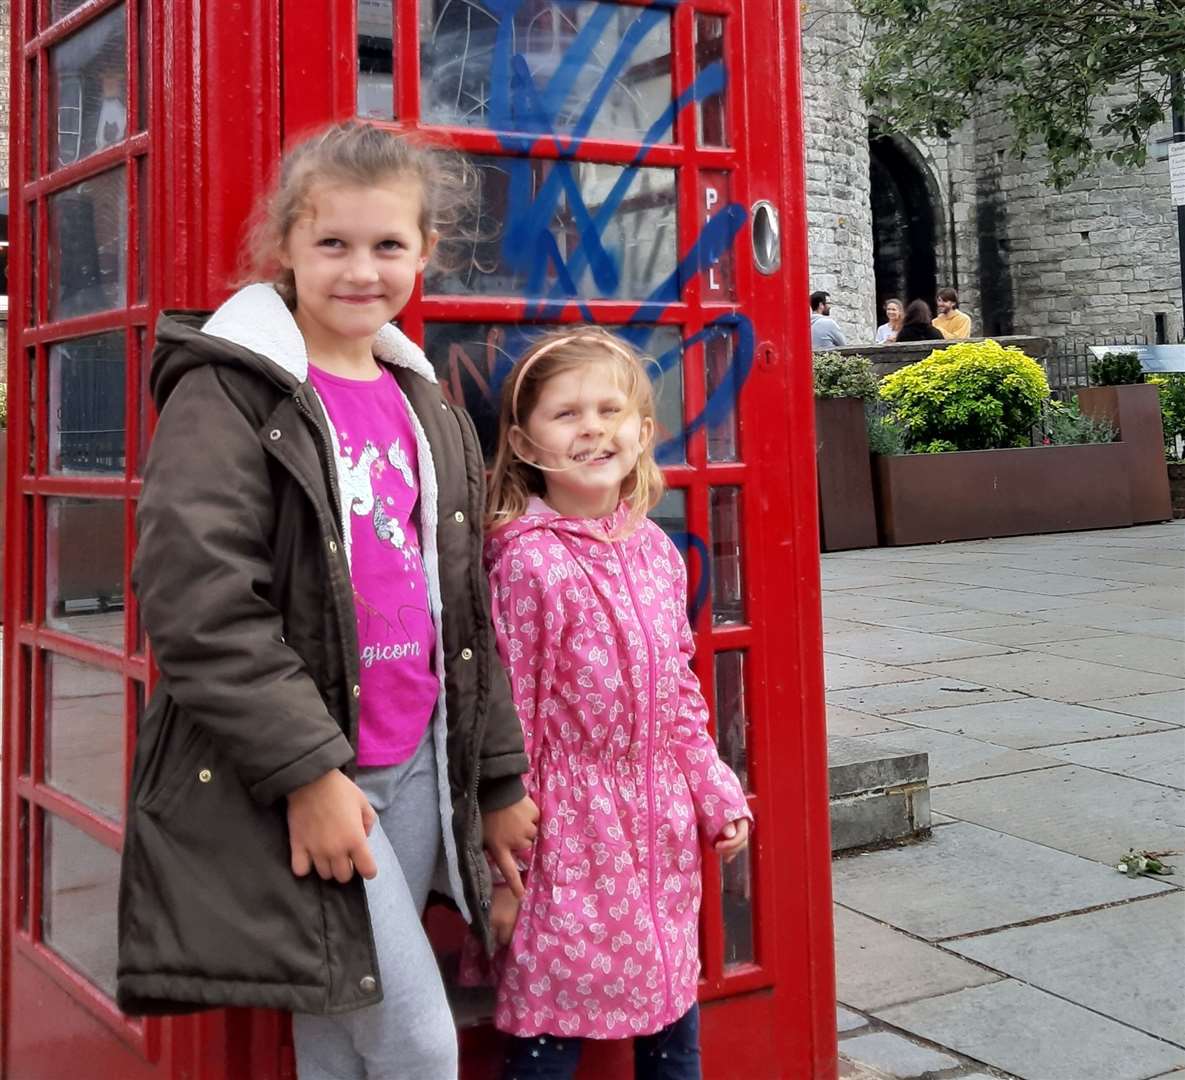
x=825 y=331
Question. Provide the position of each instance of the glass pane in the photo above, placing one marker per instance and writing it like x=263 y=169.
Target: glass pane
x=572 y=68
x=84 y=568
x=81 y=887
x=736 y=881
x=32 y=299
x=32 y=105
x=719 y=282
x=88 y=246
x=710 y=68
x=31 y=413
x=722 y=383
x=728 y=591
x=84 y=733
x=376 y=59
x=22 y=886
x=25 y=705
x=30 y=551
x=143 y=64
x=472 y=359
x=670 y=515
x=86 y=405
x=143 y=218
x=145 y=399
x=560 y=229
x=59 y=9
x=88 y=84
x=731 y=717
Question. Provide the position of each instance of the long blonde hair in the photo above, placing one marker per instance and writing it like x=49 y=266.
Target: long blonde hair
x=514 y=481
x=360 y=154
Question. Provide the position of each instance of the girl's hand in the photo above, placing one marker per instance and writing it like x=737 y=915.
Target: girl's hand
x=734 y=839
x=505 y=831
x=328 y=822
x=503 y=914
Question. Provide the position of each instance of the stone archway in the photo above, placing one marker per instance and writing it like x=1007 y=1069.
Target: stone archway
x=907 y=221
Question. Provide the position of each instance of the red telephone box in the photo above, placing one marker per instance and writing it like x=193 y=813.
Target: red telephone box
x=639 y=165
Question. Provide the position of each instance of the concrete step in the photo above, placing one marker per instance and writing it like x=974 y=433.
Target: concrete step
x=878 y=795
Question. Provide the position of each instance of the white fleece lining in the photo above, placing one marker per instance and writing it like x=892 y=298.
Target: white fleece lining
x=258 y=319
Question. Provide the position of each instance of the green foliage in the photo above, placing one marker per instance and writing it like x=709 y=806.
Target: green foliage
x=1116 y=369
x=1172 y=411
x=3 y=405
x=885 y=436
x=969 y=396
x=1064 y=425
x=838 y=376
x=1046 y=69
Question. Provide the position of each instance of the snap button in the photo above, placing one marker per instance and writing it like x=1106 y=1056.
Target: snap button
x=459 y=518
x=357 y=690
x=333 y=546
x=367 y=984
x=274 y=434
x=205 y=776
x=444 y=405
x=466 y=654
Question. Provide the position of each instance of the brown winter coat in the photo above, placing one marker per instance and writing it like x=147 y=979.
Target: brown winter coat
x=245 y=594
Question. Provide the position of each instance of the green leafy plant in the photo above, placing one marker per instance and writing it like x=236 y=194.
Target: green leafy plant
x=1172 y=412
x=885 y=436
x=1116 y=369
x=3 y=405
x=1139 y=863
x=1065 y=425
x=838 y=376
x=970 y=396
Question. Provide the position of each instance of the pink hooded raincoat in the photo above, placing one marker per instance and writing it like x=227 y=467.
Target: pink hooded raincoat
x=595 y=636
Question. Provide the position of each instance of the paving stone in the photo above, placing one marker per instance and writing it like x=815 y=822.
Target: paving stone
x=1158 y=758
x=1025 y=723
x=1113 y=615
x=1028 y=633
x=847 y=723
x=896 y=1055
x=1168 y=706
x=876 y=966
x=838 y=626
x=1163 y=596
x=966 y=878
x=1099 y=566
x=946 y=622
x=920 y=694
x=967 y=597
x=1035 y=1035
x=956 y=758
x=1092 y=814
x=1123 y=962
x=1043 y=675
x=1172 y=627
x=846 y=576
x=845 y=672
x=856 y=766
x=897 y=646
x=1029 y=581
x=864 y=608
x=846 y=1020
x=1140 y=652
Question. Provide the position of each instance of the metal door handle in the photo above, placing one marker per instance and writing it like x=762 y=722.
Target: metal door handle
x=767 y=237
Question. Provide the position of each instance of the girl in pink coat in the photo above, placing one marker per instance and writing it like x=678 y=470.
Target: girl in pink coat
x=589 y=602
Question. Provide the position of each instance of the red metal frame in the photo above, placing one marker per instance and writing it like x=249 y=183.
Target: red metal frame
x=208 y=157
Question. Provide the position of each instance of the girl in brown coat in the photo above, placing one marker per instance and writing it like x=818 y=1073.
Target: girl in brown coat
x=330 y=707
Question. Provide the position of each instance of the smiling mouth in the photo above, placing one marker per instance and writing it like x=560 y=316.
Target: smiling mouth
x=358 y=299
x=589 y=458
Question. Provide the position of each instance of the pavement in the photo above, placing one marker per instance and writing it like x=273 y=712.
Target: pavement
x=1045 y=677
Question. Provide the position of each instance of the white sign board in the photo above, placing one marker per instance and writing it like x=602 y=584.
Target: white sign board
x=1154 y=359
x=1177 y=172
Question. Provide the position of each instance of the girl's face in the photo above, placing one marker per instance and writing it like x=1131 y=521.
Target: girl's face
x=355 y=255
x=586 y=436
x=894 y=313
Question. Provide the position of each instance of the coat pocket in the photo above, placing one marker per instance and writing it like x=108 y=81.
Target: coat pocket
x=180 y=746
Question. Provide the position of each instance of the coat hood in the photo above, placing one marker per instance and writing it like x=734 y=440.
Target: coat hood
x=254 y=329
x=541 y=518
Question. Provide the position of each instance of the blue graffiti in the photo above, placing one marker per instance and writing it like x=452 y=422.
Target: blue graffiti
x=687 y=542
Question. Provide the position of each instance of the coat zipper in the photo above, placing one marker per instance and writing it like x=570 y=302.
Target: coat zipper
x=651 y=733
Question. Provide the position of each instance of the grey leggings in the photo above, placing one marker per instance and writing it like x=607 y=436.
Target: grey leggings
x=409 y=1035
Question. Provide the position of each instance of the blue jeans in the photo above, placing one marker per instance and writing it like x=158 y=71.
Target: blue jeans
x=669 y=1054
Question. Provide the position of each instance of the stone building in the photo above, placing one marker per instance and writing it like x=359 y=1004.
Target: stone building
x=890 y=216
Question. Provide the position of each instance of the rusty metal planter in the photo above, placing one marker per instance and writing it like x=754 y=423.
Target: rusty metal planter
x=847 y=517
x=1134 y=412
x=972 y=494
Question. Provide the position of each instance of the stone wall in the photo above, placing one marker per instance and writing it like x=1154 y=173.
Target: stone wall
x=5 y=40
x=839 y=210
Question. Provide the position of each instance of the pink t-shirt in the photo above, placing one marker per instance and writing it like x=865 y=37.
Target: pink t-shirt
x=396 y=635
